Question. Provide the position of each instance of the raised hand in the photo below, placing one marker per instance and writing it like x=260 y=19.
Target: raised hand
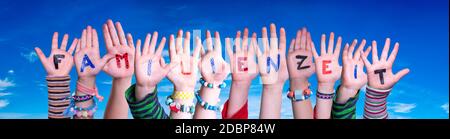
x=87 y=56
x=380 y=73
x=272 y=63
x=150 y=65
x=60 y=61
x=299 y=62
x=327 y=65
x=184 y=75
x=213 y=67
x=122 y=48
x=243 y=62
x=353 y=75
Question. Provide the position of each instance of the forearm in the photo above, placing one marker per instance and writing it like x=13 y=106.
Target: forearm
x=302 y=109
x=117 y=107
x=271 y=101
x=90 y=83
x=211 y=97
x=375 y=103
x=147 y=107
x=323 y=106
x=58 y=91
x=187 y=101
x=238 y=96
x=344 y=106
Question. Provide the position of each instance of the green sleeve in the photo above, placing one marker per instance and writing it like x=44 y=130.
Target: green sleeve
x=346 y=110
x=147 y=108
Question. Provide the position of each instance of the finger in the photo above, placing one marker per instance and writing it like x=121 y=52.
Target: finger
x=251 y=50
x=303 y=39
x=228 y=47
x=323 y=45
x=95 y=43
x=172 y=51
x=83 y=39
x=308 y=41
x=345 y=53
x=282 y=44
x=105 y=59
x=255 y=46
x=187 y=43
x=245 y=40
x=218 y=44
x=208 y=41
x=292 y=45
x=265 y=40
x=330 y=43
x=55 y=40
x=146 y=49
x=89 y=37
x=161 y=47
x=78 y=46
x=367 y=51
x=113 y=33
x=393 y=53
x=313 y=48
x=298 y=39
x=352 y=48
x=64 y=42
x=364 y=58
x=198 y=47
x=138 y=49
x=399 y=75
x=130 y=40
x=237 y=41
x=170 y=66
x=72 y=46
x=153 y=42
x=107 y=37
x=337 y=50
x=360 y=48
x=374 y=52
x=121 y=33
x=41 y=55
x=178 y=42
x=385 y=52
x=273 y=37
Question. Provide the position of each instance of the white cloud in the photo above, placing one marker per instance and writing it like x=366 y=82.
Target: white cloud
x=12 y=115
x=394 y=116
x=31 y=56
x=5 y=83
x=5 y=94
x=445 y=107
x=402 y=107
x=4 y=103
x=11 y=71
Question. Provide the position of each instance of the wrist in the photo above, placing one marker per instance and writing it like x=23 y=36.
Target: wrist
x=210 y=95
x=87 y=81
x=185 y=88
x=345 y=93
x=298 y=84
x=241 y=83
x=273 y=86
x=326 y=88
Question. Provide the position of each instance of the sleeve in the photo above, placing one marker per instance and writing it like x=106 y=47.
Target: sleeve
x=147 y=108
x=241 y=114
x=58 y=91
x=375 y=103
x=346 y=110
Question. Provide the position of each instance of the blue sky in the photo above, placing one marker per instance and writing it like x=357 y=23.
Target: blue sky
x=421 y=27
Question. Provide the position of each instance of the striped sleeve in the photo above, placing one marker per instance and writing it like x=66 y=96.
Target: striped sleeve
x=375 y=103
x=346 y=110
x=147 y=108
x=58 y=91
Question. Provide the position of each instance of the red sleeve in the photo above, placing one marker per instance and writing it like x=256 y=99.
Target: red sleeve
x=241 y=114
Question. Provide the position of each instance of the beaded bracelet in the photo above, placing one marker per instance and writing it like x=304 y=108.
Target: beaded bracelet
x=89 y=91
x=211 y=85
x=177 y=107
x=206 y=105
x=299 y=95
x=324 y=96
x=79 y=111
x=183 y=95
x=80 y=98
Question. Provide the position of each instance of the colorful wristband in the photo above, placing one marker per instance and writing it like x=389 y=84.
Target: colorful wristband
x=206 y=105
x=324 y=96
x=299 y=95
x=183 y=95
x=89 y=91
x=74 y=110
x=211 y=85
x=177 y=107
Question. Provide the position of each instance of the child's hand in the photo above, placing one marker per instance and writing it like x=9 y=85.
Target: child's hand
x=150 y=65
x=184 y=75
x=122 y=48
x=380 y=74
x=213 y=67
x=243 y=62
x=60 y=61
x=272 y=63
x=87 y=55
x=299 y=62
x=353 y=76
x=327 y=65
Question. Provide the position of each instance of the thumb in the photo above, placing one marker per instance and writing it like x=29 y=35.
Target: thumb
x=106 y=59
